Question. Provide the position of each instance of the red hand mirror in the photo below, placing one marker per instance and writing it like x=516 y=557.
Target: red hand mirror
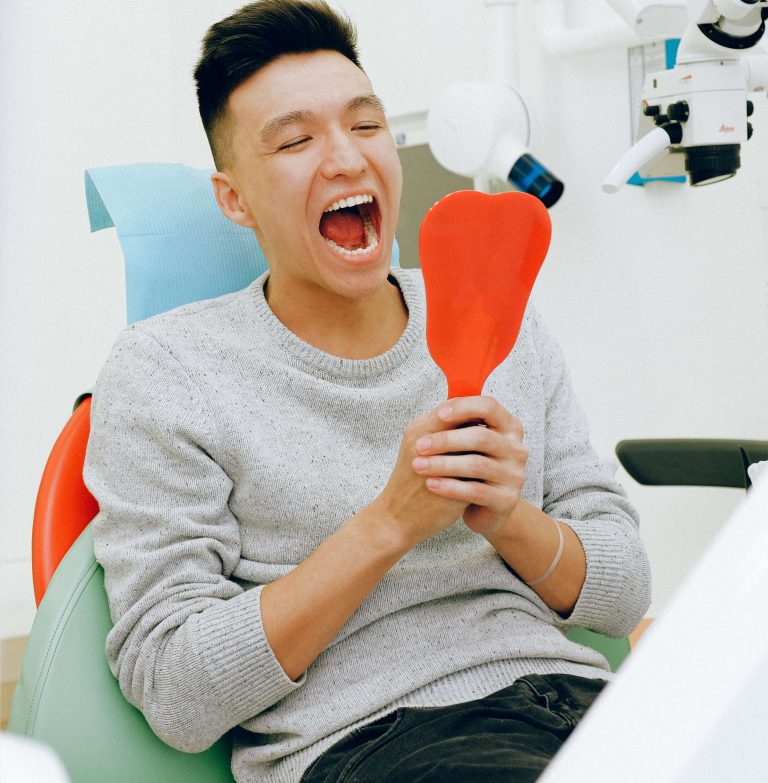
x=480 y=255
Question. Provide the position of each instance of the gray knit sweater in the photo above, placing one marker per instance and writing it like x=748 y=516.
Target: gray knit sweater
x=224 y=450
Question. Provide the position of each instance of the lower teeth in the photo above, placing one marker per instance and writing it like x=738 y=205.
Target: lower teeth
x=370 y=234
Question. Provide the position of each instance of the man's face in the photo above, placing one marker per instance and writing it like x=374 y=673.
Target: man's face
x=308 y=134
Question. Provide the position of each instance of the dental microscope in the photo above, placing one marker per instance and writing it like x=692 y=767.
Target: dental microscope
x=696 y=116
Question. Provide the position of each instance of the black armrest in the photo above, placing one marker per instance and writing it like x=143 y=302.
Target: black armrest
x=698 y=462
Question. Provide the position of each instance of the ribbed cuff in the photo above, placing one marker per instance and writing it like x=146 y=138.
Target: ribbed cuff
x=241 y=665
x=606 y=545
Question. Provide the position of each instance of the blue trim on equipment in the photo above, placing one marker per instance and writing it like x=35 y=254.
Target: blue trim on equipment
x=636 y=179
x=671 y=46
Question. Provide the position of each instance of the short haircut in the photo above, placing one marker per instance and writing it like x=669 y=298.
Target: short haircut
x=251 y=38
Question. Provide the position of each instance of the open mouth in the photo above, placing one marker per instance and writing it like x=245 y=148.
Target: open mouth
x=352 y=226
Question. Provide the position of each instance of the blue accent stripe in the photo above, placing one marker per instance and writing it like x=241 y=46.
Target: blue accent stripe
x=525 y=171
x=670 y=47
x=636 y=179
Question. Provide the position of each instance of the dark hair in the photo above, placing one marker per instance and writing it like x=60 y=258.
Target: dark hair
x=257 y=34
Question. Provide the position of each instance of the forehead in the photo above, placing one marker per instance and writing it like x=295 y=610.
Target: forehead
x=317 y=82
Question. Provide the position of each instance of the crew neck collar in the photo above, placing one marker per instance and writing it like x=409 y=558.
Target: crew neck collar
x=297 y=351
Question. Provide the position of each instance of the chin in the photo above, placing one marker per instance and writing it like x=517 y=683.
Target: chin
x=360 y=281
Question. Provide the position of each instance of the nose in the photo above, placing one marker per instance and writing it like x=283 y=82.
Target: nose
x=342 y=157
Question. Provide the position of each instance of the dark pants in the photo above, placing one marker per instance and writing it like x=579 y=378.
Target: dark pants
x=508 y=737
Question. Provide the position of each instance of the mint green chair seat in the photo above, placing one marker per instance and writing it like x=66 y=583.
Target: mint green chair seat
x=67 y=697
x=614 y=650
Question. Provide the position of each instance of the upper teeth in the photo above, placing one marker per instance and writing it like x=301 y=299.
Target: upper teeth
x=352 y=201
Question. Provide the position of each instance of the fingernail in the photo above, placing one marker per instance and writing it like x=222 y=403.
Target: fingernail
x=420 y=463
x=445 y=412
x=423 y=444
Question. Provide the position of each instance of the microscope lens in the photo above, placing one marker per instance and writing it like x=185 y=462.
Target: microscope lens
x=712 y=163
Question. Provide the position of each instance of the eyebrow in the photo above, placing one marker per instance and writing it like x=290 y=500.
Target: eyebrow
x=276 y=124
x=369 y=101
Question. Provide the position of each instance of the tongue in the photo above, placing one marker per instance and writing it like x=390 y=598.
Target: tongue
x=345 y=227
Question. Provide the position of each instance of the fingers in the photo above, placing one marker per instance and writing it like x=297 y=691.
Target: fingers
x=445 y=470
x=438 y=438
x=482 y=465
x=478 y=439
x=500 y=434
x=473 y=478
x=497 y=499
x=465 y=411
x=473 y=466
x=459 y=410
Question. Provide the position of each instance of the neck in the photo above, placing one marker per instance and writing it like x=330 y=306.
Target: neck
x=358 y=328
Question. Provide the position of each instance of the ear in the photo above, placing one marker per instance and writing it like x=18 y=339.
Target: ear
x=229 y=201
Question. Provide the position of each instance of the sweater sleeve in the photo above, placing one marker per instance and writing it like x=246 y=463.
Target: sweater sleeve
x=188 y=646
x=581 y=491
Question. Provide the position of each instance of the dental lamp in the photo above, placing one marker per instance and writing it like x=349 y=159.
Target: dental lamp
x=695 y=116
x=483 y=129
x=652 y=21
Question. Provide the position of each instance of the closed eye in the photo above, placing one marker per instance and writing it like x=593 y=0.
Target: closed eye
x=294 y=144
x=367 y=126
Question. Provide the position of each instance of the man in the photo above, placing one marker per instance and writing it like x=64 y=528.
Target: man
x=300 y=540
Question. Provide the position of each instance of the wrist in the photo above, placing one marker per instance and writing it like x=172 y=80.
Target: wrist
x=555 y=561
x=511 y=532
x=382 y=532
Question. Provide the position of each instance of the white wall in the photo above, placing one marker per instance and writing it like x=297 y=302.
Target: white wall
x=85 y=83
x=658 y=295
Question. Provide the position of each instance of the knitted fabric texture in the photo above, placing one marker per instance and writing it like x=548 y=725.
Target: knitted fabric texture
x=224 y=450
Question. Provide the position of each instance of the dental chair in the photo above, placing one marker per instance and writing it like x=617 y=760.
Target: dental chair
x=178 y=248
